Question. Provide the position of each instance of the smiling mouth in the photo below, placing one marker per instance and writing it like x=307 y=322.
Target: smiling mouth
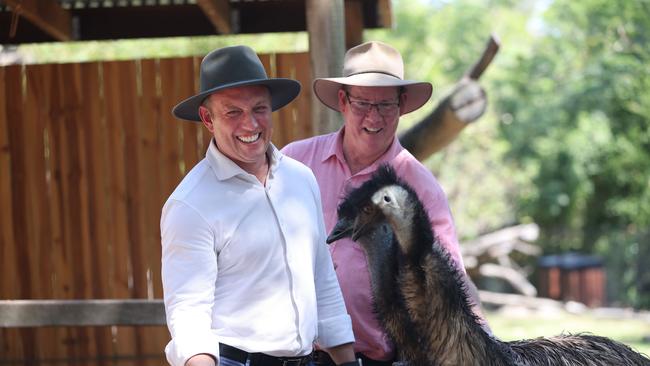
x=372 y=130
x=249 y=139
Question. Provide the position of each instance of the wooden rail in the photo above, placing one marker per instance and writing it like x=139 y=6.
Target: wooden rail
x=45 y=313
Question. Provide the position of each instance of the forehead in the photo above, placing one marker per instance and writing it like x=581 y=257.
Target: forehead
x=374 y=92
x=241 y=94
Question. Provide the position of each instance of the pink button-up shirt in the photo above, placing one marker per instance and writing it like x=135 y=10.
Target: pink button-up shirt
x=324 y=155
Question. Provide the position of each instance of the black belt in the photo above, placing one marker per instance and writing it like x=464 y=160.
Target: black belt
x=261 y=359
x=322 y=358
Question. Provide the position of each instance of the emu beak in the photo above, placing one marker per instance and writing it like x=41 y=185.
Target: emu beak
x=342 y=229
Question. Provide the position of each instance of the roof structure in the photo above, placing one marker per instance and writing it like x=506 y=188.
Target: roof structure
x=32 y=21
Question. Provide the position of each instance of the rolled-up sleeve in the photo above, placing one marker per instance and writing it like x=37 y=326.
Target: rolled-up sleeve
x=189 y=272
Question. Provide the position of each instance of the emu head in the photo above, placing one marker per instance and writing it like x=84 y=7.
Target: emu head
x=380 y=207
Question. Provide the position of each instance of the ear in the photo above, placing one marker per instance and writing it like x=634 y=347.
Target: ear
x=402 y=103
x=206 y=118
x=342 y=100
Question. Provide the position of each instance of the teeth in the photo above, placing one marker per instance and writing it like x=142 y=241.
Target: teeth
x=249 y=139
x=373 y=130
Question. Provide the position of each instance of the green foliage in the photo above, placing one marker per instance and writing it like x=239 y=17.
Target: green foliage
x=566 y=141
x=581 y=119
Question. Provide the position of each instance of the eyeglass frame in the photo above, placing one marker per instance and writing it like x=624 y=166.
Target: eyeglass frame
x=354 y=108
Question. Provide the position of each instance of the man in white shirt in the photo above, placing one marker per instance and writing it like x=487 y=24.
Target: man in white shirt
x=247 y=277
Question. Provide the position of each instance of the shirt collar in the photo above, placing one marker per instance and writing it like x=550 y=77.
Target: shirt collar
x=224 y=168
x=334 y=148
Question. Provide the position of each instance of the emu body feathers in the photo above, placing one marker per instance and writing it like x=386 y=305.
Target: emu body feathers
x=420 y=298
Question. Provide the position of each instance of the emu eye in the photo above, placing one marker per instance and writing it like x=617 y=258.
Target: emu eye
x=387 y=199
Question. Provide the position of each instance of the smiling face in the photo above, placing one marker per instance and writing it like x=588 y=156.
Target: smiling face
x=240 y=121
x=369 y=132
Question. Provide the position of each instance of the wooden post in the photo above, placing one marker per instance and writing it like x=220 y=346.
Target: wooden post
x=354 y=23
x=326 y=28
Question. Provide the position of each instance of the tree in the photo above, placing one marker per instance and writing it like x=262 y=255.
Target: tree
x=581 y=120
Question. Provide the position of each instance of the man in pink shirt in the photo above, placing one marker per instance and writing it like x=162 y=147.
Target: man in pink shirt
x=371 y=96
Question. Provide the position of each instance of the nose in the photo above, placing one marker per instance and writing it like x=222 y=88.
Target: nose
x=250 y=121
x=373 y=112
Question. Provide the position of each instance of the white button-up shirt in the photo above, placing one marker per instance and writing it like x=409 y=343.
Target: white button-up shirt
x=246 y=264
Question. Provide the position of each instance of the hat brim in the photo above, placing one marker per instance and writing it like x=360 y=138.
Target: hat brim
x=326 y=89
x=282 y=92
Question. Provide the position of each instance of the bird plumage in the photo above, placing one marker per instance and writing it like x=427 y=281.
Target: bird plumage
x=421 y=300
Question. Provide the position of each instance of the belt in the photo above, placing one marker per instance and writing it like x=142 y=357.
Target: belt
x=322 y=358
x=261 y=359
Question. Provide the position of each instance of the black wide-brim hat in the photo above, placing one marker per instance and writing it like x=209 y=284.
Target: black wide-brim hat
x=231 y=67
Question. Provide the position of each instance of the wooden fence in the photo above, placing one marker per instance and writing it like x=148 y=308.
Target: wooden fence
x=88 y=154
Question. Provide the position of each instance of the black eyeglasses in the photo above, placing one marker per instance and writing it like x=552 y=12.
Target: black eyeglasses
x=362 y=107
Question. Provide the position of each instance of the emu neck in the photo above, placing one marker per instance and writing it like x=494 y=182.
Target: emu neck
x=436 y=298
x=403 y=230
x=382 y=255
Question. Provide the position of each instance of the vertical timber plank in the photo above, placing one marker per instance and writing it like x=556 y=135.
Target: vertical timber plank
x=149 y=147
x=58 y=153
x=121 y=272
x=11 y=226
x=38 y=111
x=138 y=174
x=95 y=149
x=74 y=194
x=176 y=83
x=295 y=118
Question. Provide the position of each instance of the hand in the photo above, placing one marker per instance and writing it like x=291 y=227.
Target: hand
x=468 y=100
x=201 y=359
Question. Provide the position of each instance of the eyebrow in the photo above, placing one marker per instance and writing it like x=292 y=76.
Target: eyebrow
x=261 y=102
x=373 y=101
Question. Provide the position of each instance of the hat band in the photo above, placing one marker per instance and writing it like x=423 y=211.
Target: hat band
x=375 y=72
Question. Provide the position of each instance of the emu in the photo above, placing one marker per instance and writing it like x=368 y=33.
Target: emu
x=421 y=301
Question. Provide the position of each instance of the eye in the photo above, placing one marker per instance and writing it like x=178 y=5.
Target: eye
x=361 y=104
x=366 y=209
x=233 y=113
x=387 y=199
x=261 y=109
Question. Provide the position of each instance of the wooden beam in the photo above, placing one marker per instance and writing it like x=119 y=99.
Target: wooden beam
x=325 y=25
x=354 y=23
x=47 y=15
x=384 y=14
x=218 y=12
x=42 y=313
